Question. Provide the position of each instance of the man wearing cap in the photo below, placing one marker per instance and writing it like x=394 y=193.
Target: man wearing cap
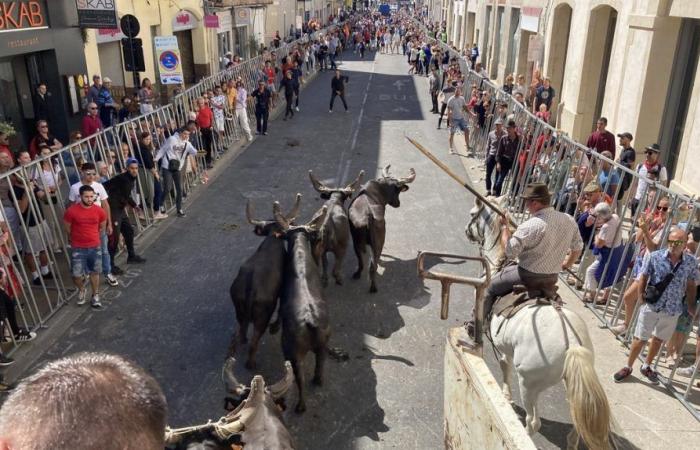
x=628 y=155
x=601 y=139
x=505 y=155
x=492 y=144
x=538 y=243
x=650 y=165
x=120 y=190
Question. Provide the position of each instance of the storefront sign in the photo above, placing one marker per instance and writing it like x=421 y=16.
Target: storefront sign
x=169 y=60
x=225 y=21
x=211 y=21
x=184 y=20
x=104 y=35
x=97 y=13
x=22 y=15
x=242 y=16
x=530 y=20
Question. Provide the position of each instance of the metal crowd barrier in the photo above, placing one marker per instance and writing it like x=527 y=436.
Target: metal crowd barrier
x=39 y=230
x=567 y=167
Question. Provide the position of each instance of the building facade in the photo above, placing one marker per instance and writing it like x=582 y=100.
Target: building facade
x=635 y=63
x=38 y=39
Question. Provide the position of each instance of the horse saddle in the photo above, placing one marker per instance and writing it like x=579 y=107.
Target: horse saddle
x=521 y=297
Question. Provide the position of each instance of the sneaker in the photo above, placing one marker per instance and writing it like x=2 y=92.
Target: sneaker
x=48 y=276
x=25 y=335
x=116 y=270
x=112 y=280
x=297 y=108
x=622 y=374
x=160 y=216
x=6 y=360
x=686 y=371
x=136 y=259
x=651 y=375
x=330 y=111
x=181 y=213
x=95 y=302
x=36 y=281
x=81 y=297
x=619 y=329
x=265 y=133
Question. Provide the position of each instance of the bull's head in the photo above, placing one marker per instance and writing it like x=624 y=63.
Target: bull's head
x=326 y=191
x=311 y=228
x=390 y=187
x=271 y=227
x=237 y=393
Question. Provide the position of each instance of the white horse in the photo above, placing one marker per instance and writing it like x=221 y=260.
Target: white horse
x=545 y=345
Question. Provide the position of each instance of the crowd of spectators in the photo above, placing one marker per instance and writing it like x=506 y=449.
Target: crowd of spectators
x=636 y=235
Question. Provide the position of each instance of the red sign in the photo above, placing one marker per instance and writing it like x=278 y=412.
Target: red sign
x=211 y=21
x=21 y=15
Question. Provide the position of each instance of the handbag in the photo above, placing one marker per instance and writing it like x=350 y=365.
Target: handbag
x=173 y=164
x=653 y=292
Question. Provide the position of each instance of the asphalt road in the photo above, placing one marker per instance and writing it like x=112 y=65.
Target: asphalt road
x=175 y=317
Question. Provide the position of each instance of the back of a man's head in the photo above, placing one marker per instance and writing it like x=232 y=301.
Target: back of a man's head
x=85 y=401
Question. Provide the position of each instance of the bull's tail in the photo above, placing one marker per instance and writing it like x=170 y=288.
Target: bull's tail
x=590 y=411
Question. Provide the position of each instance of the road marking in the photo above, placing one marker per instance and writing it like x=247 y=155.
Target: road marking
x=343 y=165
x=399 y=84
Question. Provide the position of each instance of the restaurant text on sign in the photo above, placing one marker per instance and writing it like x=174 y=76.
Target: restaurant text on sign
x=21 y=15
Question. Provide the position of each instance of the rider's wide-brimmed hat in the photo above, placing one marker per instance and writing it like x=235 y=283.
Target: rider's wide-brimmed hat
x=537 y=191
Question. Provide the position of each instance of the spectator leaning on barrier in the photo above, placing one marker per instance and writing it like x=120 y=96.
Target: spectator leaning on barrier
x=121 y=189
x=88 y=173
x=172 y=157
x=494 y=138
x=666 y=276
x=28 y=194
x=505 y=154
x=85 y=222
x=43 y=136
x=85 y=401
x=651 y=164
x=205 y=122
x=149 y=174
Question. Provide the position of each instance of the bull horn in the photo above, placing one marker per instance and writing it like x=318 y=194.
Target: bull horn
x=257 y=392
x=229 y=379
x=352 y=187
x=385 y=171
x=249 y=215
x=318 y=218
x=294 y=212
x=411 y=176
x=277 y=212
x=279 y=389
x=320 y=187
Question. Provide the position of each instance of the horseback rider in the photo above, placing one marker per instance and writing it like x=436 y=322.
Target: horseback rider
x=538 y=243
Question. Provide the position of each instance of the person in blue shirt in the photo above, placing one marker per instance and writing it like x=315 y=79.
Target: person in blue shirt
x=658 y=316
x=608 y=177
x=105 y=103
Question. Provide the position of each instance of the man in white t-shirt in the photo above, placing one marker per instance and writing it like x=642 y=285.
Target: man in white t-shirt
x=88 y=176
x=651 y=164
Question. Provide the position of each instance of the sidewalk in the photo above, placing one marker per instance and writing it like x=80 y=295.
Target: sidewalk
x=649 y=416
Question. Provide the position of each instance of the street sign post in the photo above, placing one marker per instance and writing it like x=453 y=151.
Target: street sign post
x=169 y=60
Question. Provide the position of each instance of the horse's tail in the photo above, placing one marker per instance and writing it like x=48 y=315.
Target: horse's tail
x=590 y=411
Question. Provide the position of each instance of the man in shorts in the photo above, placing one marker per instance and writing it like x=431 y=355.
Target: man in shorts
x=85 y=222
x=657 y=320
x=456 y=107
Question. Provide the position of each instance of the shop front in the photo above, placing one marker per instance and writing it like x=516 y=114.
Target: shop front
x=38 y=42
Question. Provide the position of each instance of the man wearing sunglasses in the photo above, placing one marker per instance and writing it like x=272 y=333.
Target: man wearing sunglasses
x=650 y=165
x=659 y=314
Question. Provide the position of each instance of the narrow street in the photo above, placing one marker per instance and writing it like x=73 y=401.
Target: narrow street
x=175 y=317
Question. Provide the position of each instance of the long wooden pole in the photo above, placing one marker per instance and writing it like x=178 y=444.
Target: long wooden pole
x=459 y=180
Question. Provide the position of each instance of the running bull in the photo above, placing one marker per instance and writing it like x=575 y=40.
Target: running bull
x=366 y=214
x=257 y=286
x=303 y=310
x=335 y=231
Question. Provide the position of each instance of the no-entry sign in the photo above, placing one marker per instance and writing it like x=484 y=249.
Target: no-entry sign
x=169 y=62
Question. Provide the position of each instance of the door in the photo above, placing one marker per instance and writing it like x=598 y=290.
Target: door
x=10 y=111
x=184 y=42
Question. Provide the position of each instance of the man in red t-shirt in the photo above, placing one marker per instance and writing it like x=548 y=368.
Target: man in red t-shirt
x=601 y=139
x=205 y=121
x=84 y=221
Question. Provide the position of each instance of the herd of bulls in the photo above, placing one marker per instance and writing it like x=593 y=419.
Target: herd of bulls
x=287 y=274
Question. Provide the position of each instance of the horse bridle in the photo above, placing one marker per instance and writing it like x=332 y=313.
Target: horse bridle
x=478 y=233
